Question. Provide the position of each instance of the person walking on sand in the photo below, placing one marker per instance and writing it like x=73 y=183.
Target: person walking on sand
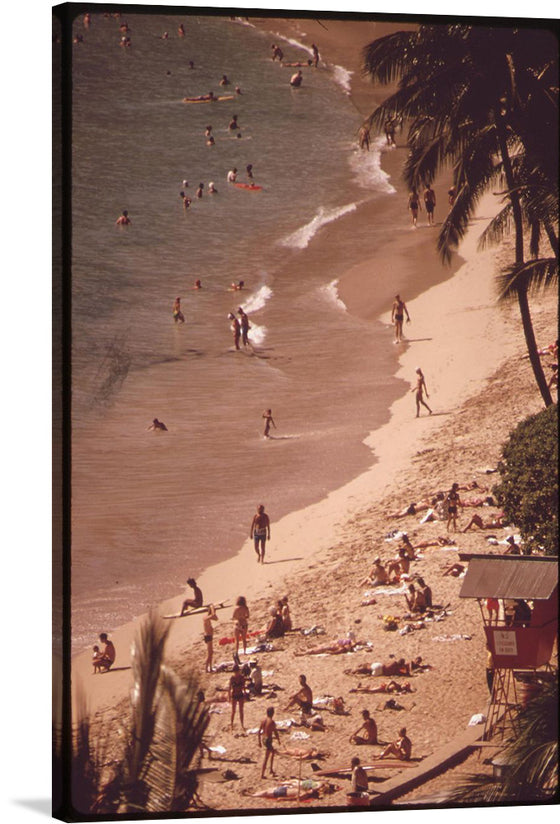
x=196 y=601
x=397 y=317
x=267 y=731
x=430 y=203
x=414 y=206
x=245 y=326
x=236 y=329
x=240 y=623
x=260 y=532
x=267 y=415
x=208 y=634
x=420 y=388
x=453 y=501
x=236 y=694
x=363 y=138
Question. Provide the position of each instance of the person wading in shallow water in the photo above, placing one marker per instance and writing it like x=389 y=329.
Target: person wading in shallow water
x=397 y=316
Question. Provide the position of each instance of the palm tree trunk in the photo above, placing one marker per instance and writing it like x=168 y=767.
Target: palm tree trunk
x=521 y=291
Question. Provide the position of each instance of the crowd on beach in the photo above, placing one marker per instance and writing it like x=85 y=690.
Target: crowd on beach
x=397 y=573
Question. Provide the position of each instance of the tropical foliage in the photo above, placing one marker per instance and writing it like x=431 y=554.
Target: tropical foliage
x=483 y=102
x=528 y=490
x=531 y=757
x=157 y=771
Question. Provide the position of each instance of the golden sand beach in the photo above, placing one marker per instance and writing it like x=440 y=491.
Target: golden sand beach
x=480 y=384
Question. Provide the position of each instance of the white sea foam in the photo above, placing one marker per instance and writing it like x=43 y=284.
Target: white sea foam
x=330 y=291
x=366 y=167
x=257 y=333
x=343 y=77
x=257 y=300
x=301 y=238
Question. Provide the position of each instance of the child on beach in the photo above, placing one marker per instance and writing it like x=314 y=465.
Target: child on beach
x=96 y=659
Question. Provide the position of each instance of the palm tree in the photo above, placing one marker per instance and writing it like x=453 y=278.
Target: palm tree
x=531 y=758
x=158 y=769
x=485 y=102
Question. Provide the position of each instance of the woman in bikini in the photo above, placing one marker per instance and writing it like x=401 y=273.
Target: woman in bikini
x=241 y=623
x=236 y=694
x=420 y=388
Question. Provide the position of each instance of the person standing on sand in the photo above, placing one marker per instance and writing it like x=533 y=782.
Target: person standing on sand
x=208 y=632
x=236 y=694
x=363 y=138
x=359 y=777
x=260 y=532
x=267 y=731
x=267 y=415
x=453 y=501
x=430 y=203
x=414 y=206
x=420 y=388
x=397 y=317
x=240 y=623
x=236 y=329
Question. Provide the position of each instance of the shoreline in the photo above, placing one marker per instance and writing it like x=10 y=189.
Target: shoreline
x=331 y=534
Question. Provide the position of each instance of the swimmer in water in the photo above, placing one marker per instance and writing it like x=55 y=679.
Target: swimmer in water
x=249 y=170
x=199 y=190
x=224 y=81
x=233 y=124
x=181 y=30
x=123 y=220
x=232 y=175
x=197 y=284
x=155 y=425
x=212 y=189
x=186 y=200
x=296 y=79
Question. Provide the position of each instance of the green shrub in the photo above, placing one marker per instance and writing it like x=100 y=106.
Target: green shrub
x=528 y=491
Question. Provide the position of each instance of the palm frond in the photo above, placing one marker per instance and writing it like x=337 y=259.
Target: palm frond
x=531 y=276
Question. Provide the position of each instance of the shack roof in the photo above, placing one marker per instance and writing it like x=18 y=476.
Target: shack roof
x=490 y=576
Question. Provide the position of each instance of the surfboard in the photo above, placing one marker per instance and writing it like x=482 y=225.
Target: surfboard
x=197 y=611
x=251 y=187
x=215 y=100
x=378 y=764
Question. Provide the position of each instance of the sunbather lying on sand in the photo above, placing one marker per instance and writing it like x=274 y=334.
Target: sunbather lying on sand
x=497 y=522
x=389 y=687
x=333 y=648
x=411 y=509
x=480 y=501
x=441 y=540
x=454 y=569
x=395 y=667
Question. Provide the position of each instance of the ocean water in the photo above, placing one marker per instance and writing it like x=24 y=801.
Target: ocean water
x=150 y=509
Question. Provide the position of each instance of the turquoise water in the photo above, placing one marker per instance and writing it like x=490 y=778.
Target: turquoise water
x=149 y=509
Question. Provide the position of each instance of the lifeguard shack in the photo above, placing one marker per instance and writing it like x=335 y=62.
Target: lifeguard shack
x=518 y=599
